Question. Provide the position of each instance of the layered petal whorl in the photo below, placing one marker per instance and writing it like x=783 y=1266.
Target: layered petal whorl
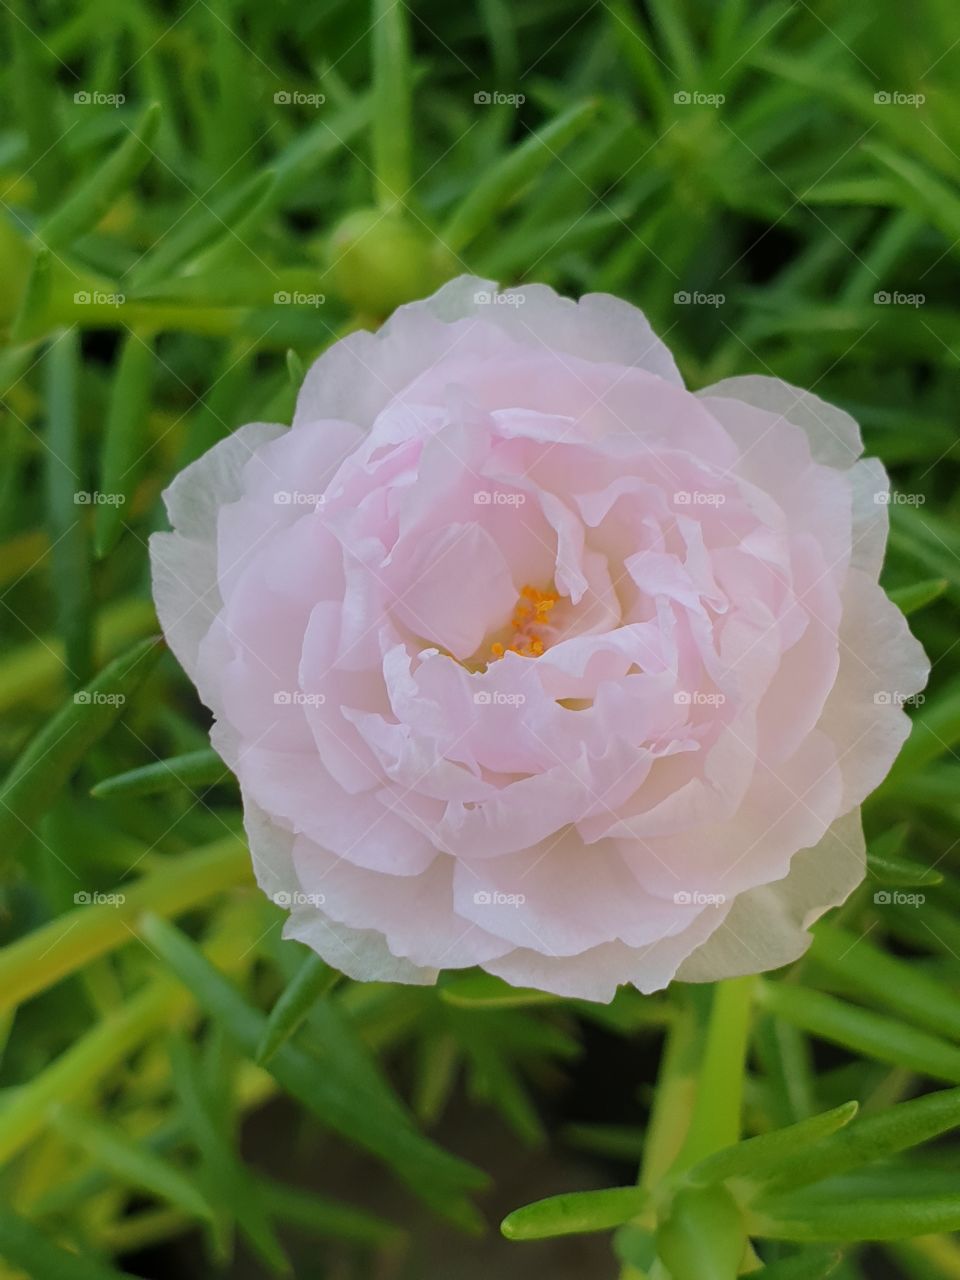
x=527 y=657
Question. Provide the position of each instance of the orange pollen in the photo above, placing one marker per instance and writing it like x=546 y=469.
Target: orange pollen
x=532 y=610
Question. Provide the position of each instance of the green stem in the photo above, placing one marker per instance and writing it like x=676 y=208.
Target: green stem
x=699 y=1097
x=675 y=1094
x=392 y=129
x=719 y=1102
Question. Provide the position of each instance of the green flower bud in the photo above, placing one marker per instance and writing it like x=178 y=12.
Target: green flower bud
x=377 y=261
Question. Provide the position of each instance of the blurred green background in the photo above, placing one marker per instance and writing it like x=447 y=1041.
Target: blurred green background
x=196 y=199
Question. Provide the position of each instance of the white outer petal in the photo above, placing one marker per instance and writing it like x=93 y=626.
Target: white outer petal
x=361 y=954
x=878 y=656
x=596 y=974
x=834 y=436
x=871 y=519
x=195 y=496
x=767 y=926
x=357 y=376
x=184 y=563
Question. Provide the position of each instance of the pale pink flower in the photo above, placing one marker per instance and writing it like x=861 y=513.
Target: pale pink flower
x=527 y=657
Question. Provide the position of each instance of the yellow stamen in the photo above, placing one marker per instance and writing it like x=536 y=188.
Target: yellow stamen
x=525 y=642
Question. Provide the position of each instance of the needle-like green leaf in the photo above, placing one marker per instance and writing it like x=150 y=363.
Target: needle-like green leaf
x=125 y=447
x=228 y=1179
x=311 y=983
x=873 y=1138
x=61 y=744
x=811 y=1264
x=67 y=502
x=888 y=980
x=575 y=1213
x=28 y=1249
x=918 y=595
x=862 y=1219
x=758 y=1157
x=130 y=1161
x=194 y=770
x=328 y=1088
x=863 y=1031
x=511 y=175
x=84 y=208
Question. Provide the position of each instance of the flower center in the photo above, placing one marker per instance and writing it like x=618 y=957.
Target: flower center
x=531 y=616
